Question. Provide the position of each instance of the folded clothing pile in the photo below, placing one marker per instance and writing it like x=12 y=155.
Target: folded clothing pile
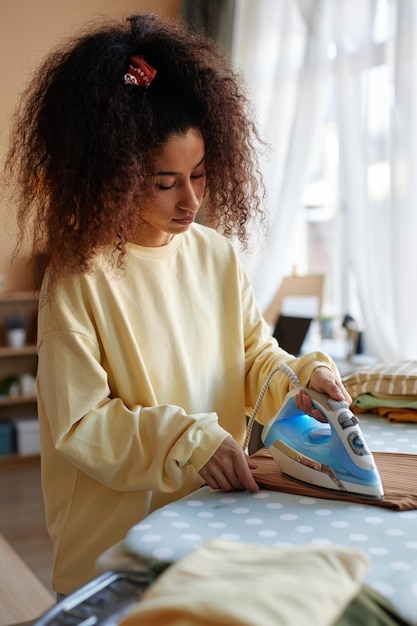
x=388 y=390
x=223 y=582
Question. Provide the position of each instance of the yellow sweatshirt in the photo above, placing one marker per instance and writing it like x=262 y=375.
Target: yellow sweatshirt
x=142 y=374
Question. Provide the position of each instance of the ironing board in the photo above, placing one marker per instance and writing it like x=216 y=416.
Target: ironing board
x=274 y=518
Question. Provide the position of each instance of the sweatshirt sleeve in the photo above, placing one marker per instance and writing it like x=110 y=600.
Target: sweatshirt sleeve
x=263 y=355
x=125 y=448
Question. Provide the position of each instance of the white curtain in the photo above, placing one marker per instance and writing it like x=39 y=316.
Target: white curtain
x=378 y=144
x=283 y=47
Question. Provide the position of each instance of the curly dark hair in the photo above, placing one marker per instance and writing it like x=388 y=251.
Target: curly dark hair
x=84 y=142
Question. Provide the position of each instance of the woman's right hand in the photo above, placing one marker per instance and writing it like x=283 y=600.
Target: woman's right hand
x=229 y=468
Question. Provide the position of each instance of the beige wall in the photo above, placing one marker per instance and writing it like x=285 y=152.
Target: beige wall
x=28 y=30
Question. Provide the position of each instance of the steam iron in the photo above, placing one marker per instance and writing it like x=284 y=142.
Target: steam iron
x=331 y=455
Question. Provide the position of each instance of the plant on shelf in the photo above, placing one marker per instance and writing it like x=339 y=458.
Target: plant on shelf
x=9 y=386
x=11 y=322
x=327 y=323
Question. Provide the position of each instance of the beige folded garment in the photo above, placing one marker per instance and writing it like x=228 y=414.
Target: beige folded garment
x=248 y=585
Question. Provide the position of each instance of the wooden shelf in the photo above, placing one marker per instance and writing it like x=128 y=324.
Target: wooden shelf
x=18 y=296
x=13 y=400
x=16 y=362
x=11 y=461
x=7 y=351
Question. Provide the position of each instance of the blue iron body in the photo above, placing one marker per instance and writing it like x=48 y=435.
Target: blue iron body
x=332 y=455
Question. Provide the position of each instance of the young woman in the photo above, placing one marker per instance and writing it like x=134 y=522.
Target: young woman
x=152 y=349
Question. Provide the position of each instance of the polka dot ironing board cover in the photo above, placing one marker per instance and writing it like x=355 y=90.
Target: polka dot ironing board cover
x=274 y=518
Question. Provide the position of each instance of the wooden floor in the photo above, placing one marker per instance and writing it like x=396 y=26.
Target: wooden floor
x=22 y=521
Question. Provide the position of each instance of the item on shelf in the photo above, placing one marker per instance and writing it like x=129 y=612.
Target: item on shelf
x=27 y=435
x=326 y=325
x=15 y=327
x=7 y=438
x=18 y=365
x=356 y=339
x=27 y=384
x=10 y=387
x=16 y=337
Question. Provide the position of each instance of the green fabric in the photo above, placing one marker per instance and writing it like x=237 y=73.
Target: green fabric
x=156 y=568
x=369 y=608
x=369 y=401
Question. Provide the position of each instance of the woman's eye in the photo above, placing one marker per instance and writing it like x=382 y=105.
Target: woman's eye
x=166 y=185
x=201 y=175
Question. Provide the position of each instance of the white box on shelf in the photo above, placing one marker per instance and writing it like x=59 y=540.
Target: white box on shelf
x=27 y=436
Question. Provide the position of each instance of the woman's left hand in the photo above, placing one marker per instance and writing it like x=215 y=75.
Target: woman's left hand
x=324 y=381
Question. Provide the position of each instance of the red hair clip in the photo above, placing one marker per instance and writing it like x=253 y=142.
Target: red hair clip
x=139 y=73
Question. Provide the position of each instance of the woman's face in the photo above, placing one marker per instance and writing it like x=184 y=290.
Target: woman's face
x=179 y=184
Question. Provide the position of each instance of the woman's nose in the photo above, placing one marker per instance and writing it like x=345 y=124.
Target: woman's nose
x=191 y=198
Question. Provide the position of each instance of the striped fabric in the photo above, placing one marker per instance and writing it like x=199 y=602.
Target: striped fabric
x=398 y=379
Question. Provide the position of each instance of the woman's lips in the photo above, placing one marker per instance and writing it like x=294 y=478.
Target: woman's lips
x=184 y=221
